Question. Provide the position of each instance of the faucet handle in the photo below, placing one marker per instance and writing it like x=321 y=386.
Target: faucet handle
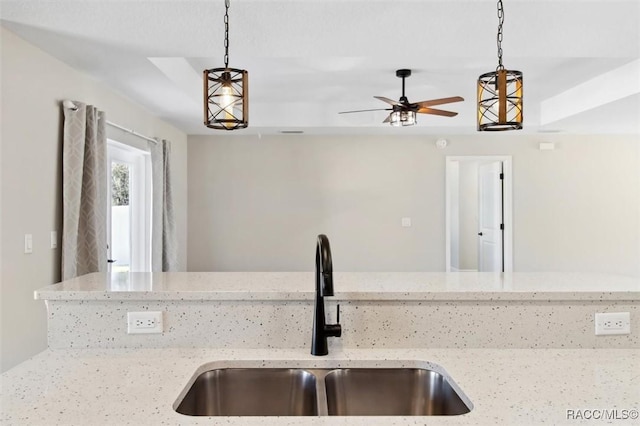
x=334 y=330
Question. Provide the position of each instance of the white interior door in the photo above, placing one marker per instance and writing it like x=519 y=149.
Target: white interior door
x=490 y=222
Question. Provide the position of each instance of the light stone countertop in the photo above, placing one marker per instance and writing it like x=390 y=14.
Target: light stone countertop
x=139 y=387
x=347 y=285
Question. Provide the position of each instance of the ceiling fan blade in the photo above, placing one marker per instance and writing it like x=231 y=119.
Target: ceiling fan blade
x=441 y=101
x=365 y=110
x=387 y=100
x=388 y=119
x=436 y=112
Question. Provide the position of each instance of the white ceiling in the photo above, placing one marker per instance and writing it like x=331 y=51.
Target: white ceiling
x=309 y=59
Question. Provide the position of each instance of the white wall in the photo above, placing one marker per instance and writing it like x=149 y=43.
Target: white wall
x=257 y=204
x=33 y=84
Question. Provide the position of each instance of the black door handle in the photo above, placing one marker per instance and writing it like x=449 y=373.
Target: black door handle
x=480 y=233
x=111 y=260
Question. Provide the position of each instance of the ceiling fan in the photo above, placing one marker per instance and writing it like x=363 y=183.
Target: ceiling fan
x=403 y=112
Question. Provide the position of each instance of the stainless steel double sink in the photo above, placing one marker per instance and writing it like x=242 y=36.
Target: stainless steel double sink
x=323 y=391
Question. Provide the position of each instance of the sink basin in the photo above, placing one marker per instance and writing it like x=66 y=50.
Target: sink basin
x=391 y=392
x=322 y=392
x=252 y=392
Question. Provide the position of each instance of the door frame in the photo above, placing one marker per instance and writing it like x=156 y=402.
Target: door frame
x=507 y=206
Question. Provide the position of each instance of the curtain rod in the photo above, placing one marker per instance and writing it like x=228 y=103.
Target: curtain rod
x=73 y=107
x=133 y=132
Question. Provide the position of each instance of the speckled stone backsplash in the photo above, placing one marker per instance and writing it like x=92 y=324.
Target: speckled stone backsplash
x=365 y=324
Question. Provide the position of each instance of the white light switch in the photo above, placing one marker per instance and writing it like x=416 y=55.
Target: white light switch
x=28 y=243
x=54 y=239
x=406 y=222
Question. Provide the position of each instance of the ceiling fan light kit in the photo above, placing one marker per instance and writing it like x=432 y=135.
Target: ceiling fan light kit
x=402 y=118
x=500 y=93
x=226 y=91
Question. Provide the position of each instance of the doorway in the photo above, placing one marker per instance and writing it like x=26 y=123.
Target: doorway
x=479 y=225
x=129 y=208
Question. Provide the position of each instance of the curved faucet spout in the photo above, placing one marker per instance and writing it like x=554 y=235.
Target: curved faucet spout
x=324 y=267
x=324 y=287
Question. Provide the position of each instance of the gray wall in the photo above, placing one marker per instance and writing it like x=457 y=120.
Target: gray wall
x=257 y=204
x=33 y=83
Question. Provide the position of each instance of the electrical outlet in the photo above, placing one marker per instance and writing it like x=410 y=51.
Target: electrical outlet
x=144 y=322
x=613 y=323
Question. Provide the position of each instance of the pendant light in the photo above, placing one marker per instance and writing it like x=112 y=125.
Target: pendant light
x=226 y=91
x=500 y=93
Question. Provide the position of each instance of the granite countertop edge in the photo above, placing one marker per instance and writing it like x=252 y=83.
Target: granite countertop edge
x=372 y=286
x=177 y=295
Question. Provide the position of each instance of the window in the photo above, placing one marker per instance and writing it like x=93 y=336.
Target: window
x=129 y=208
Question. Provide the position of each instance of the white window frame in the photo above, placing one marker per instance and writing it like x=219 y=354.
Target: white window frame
x=140 y=201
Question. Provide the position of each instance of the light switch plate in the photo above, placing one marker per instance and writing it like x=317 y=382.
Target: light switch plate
x=28 y=243
x=405 y=222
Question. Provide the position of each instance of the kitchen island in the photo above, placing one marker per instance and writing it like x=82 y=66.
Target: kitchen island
x=520 y=346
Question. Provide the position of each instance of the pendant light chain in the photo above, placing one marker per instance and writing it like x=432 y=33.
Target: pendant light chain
x=226 y=33
x=499 y=37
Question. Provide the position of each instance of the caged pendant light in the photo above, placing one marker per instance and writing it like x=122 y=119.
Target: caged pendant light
x=500 y=93
x=226 y=91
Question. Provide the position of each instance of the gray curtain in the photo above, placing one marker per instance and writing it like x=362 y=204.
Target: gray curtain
x=163 y=233
x=84 y=191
